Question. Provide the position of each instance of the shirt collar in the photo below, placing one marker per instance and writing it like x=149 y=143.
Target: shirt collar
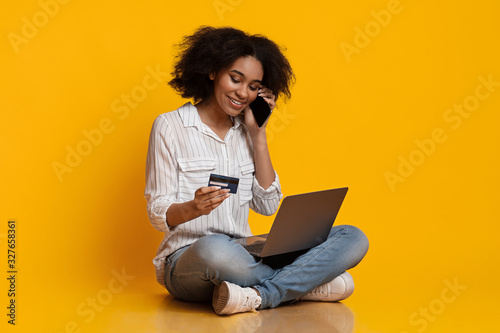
x=190 y=117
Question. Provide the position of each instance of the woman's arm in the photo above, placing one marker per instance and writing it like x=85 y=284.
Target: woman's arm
x=264 y=171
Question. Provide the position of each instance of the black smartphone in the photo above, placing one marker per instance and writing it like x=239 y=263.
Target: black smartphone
x=261 y=110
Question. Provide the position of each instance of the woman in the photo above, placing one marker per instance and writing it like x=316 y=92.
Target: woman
x=223 y=70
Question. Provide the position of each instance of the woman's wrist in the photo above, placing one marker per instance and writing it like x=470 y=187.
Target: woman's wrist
x=259 y=139
x=179 y=213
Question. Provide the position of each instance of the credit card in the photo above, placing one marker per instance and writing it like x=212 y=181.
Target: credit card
x=224 y=182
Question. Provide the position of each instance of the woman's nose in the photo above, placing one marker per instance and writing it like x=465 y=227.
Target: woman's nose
x=242 y=93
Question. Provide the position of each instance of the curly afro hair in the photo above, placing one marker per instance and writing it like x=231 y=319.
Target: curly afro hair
x=210 y=50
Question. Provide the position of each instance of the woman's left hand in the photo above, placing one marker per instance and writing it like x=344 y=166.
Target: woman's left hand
x=250 y=121
x=264 y=172
x=268 y=96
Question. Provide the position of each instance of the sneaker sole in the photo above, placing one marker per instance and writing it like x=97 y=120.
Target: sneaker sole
x=220 y=299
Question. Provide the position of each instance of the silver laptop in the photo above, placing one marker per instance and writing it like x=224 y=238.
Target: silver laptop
x=303 y=222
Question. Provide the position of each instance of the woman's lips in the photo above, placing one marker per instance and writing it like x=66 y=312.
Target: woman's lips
x=236 y=103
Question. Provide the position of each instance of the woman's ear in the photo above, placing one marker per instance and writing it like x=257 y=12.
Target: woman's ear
x=212 y=76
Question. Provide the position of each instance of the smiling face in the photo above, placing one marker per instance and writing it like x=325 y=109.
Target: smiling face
x=237 y=86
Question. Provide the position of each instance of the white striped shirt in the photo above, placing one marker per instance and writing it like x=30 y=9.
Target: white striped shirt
x=182 y=153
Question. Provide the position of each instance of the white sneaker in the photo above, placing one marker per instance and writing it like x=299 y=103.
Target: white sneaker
x=229 y=298
x=336 y=290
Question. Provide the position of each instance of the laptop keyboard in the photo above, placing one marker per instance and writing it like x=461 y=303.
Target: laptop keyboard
x=256 y=247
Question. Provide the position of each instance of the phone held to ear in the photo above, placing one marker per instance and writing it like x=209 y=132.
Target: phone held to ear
x=261 y=110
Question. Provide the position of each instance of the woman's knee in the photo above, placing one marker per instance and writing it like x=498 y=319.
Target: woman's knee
x=218 y=252
x=224 y=260
x=358 y=241
x=359 y=236
x=209 y=247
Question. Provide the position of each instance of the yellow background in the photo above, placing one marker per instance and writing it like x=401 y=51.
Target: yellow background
x=350 y=120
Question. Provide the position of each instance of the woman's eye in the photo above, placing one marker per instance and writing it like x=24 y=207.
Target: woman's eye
x=253 y=88
x=234 y=80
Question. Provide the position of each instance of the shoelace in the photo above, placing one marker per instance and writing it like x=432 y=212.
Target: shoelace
x=320 y=290
x=251 y=302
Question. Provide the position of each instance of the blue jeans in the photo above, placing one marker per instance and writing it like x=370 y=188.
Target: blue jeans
x=192 y=272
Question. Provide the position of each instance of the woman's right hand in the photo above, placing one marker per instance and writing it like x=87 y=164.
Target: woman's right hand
x=208 y=198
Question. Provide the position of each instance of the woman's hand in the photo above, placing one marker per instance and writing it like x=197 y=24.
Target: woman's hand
x=268 y=95
x=208 y=198
x=264 y=171
x=250 y=121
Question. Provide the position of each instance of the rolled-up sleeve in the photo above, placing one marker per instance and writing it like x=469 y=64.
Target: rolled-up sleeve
x=266 y=202
x=161 y=174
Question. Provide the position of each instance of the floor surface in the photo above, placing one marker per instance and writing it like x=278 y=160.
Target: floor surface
x=455 y=307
